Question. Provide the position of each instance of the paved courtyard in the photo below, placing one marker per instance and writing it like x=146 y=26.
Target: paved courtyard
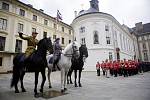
x=94 y=88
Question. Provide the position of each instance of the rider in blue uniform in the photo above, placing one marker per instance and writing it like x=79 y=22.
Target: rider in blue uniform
x=57 y=53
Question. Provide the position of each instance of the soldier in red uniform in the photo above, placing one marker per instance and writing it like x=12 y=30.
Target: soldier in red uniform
x=103 y=65
x=115 y=64
x=111 y=68
x=107 y=68
x=125 y=71
x=98 y=68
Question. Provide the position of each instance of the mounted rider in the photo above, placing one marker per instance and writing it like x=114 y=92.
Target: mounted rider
x=57 y=50
x=31 y=43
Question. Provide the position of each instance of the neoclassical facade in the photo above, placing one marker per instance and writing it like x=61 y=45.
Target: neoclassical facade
x=143 y=36
x=104 y=36
x=15 y=17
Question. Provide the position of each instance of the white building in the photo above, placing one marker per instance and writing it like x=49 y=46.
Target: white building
x=16 y=16
x=104 y=36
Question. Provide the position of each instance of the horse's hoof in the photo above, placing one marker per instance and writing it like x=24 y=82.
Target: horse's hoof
x=23 y=90
x=41 y=90
x=76 y=85
x=36 y=95
x=50 y=86
x=62 y=91
x=71 y=82
x=16 y=91
x=80 y=85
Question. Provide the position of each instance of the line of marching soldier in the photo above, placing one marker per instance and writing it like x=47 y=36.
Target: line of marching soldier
x=118 y=67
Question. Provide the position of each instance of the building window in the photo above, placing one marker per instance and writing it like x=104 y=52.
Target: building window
x=69 y=31
x=142 y=38
x=18 y=46
x=5 y=6
x=62 y=40
x=69 y=41
x=2 y=43
x=62 y=29
x=54 y=37
x=20 y=27
x=108 y=40
x=45 y=22
x=106 y=28
x=22 y=12
x=82 y=29
x=3 y=24
x=110 y=56
x=33 y=29
x=96 y=38
x=145 y=56
x=144 y=46
x=44 y=34
x=1 y=59
x=55 y=26
x=82 y=40
x=34 y=18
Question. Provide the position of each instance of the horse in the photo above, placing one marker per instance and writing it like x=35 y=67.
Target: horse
x=77 y=64
x=64 y=64
x=35 y=63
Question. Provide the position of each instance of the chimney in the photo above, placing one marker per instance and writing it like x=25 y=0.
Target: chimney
x=75 y=13
x=41 y=10
x=30 y=5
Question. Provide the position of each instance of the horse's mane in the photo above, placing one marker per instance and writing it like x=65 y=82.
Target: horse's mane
x=67 y=48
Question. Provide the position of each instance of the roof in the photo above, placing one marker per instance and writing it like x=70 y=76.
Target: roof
x=145 y=30
x=90 y=10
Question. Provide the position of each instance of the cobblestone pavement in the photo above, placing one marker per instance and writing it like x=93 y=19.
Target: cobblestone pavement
x=135 y=87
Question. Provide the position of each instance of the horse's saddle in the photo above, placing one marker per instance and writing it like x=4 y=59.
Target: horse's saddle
x=51 y=60
x=26 y=59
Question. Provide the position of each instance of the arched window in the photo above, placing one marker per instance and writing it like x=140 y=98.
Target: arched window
x=96 y=37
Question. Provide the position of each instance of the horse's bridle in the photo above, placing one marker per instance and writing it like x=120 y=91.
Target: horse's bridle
x=74 y=50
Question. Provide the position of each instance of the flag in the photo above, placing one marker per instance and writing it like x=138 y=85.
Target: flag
x=59 y=16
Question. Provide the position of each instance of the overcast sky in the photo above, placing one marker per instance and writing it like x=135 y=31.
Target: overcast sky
x=128 y=12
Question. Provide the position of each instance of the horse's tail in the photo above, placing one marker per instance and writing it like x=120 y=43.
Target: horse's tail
x=15 y=77
x=16 y=71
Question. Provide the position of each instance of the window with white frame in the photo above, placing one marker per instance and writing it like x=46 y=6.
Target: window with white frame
x=2 y=43
x=106 y=28
x=18 y=47
x=5 y=6
x=45 y=22
x=144 y=46
x=145 y=56
x=82 y=40
x=110 y=56
x=34 y=18
x=82 y=29
x=69 y=41
x=96 y=37
x=33 y=29
x=55 y=26
x=20 y=27
x=107 y=40
x=62 y=29
x=22 y=12
x=69 y=31
x=62 y=40
x=3 y=24
x=44 y=34
x=54 y=37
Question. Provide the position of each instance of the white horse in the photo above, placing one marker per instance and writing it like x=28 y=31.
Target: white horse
x=71 y=50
